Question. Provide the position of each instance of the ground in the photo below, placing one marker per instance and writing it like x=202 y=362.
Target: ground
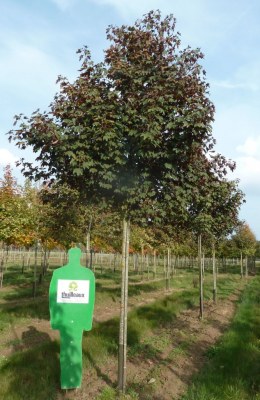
x=159 y=368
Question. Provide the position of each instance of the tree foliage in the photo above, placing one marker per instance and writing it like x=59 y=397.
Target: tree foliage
x=16 y=215
x=134 y=130
x=244 y=239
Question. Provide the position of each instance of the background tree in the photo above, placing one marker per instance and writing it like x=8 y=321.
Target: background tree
x=245 y=242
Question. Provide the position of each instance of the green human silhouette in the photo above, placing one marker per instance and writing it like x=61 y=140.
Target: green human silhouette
x=72 y=297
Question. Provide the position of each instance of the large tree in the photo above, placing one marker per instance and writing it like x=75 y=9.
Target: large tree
x=126 y=129
x=129 y=130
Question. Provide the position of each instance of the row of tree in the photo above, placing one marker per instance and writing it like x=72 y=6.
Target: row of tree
x=55 y=218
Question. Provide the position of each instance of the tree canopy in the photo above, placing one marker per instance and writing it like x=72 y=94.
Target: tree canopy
x=135 y=130
x=245 y=239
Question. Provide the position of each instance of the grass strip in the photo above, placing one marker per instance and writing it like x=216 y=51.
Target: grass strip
x=233 y=370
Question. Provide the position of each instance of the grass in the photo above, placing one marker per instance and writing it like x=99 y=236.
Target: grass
x=17 y=305
x=233 y=370
x=31 y=375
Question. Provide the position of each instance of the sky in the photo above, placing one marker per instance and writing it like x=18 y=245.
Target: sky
x=39 y=40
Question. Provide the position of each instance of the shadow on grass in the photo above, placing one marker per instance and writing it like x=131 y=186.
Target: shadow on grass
x=33 y=374
x=38 y=308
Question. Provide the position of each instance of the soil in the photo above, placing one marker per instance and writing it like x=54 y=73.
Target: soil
x=161 y=376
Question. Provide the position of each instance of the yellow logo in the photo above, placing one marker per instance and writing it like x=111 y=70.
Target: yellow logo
x=73 y=286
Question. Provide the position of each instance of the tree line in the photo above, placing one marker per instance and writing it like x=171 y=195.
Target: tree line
x=55 y=218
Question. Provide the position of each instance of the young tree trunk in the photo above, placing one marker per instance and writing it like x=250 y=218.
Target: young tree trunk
x=137 y=263
x=148 y=266
x=23 y=262
x=123 y=309
x=87 y=248
x=174 y=263
x=246 y=266
x=48 y=260
x=201 y=276
x=214 y=274
x=44 y=264
x=241 y=264
x=142 y=261
x=203 y=263
x=35 y=269
x=1 y=271
x=154 y=264
x=167 y=283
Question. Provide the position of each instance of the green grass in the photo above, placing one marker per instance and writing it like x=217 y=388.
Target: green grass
x=233 y=370
x=32 y=374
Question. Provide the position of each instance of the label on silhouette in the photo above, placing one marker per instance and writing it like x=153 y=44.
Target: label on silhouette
x=73 y=291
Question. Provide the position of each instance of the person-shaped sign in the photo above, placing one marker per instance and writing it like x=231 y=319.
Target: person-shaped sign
x=72 y=297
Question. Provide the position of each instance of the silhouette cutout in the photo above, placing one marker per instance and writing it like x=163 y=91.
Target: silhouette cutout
x=72 y=296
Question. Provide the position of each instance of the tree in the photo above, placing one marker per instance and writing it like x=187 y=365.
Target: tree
x=245 y=242
x=16 y=219
x=128 y=131
x=213 y=205
x=16 y=223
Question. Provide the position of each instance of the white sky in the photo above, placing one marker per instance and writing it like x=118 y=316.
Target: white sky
x=39 y=39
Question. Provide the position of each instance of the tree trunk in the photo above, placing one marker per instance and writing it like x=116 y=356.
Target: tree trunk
x=23 y=261
x=201 y=276
x=1 y=271
x=214 y=274
x=246 y=266
x=241 y=264
x=87 y=248
x=174 y=265
x=123 y=309
x=167 y=283
x=154 y=264
x=148 y=266
x=35 y=269
x=142 y=261
x=44 y=265
x=203 y=263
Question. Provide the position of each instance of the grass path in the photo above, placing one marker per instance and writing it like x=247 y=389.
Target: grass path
x=233 y=369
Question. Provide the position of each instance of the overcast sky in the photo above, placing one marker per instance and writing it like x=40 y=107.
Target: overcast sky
x=39 y=39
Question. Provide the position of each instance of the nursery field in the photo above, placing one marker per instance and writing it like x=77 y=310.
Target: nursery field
x=172 y=354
